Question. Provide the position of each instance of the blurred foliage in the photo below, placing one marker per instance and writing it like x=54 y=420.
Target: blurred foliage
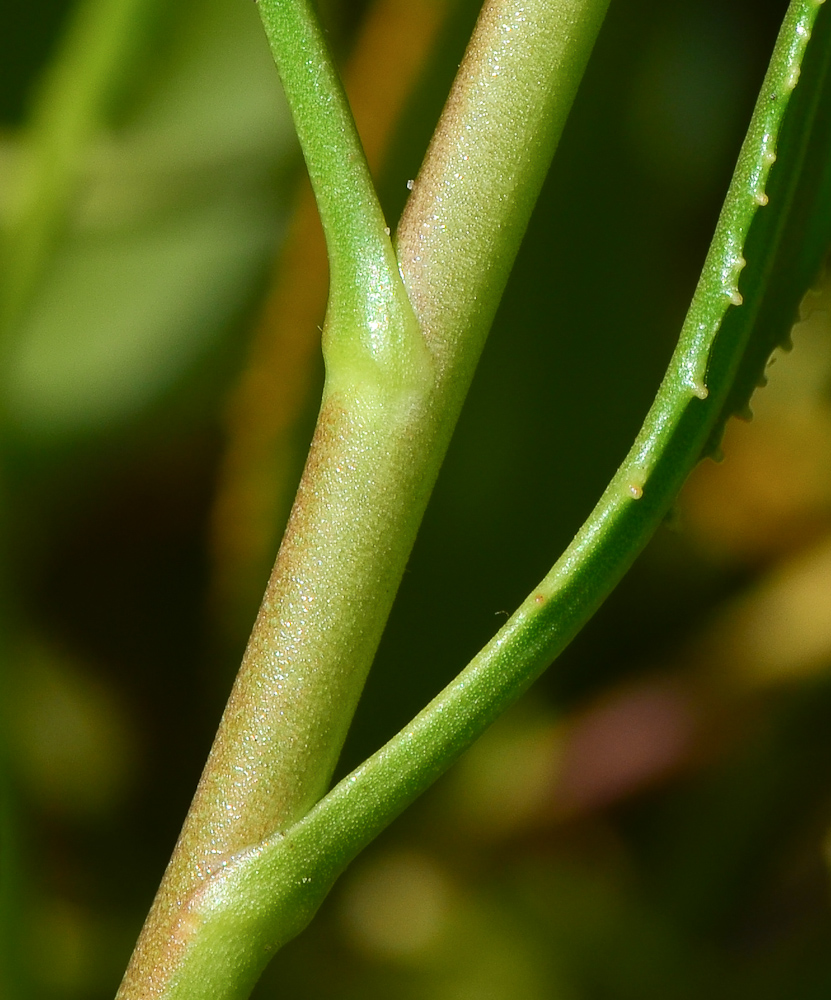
x=650 y=822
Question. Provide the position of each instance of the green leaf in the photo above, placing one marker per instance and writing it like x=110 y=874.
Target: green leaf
x=124 y=315
x=171 y=220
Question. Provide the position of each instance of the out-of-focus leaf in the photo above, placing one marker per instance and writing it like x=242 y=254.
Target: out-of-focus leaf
x=121 y=319
x=175 y=218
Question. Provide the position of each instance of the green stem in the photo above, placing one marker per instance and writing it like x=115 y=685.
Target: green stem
x=391 y=399
x=267 y=892
x=474 y=194
x=369 y=319
x=677 y=428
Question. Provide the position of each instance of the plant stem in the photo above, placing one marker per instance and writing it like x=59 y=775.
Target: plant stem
x=473 y=196
x=677 y=429
x=257 y=480
x=267 y=892
x=389 y=406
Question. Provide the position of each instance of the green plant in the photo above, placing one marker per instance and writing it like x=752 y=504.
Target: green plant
x=258 y=854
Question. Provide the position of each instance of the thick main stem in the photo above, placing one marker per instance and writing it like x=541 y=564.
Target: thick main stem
x=483 y=172
x=367 y=480
x=311 y=647
x=267 y=894
x=394 y=389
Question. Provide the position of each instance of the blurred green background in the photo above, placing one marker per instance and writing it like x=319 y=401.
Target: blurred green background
x=651 y=820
